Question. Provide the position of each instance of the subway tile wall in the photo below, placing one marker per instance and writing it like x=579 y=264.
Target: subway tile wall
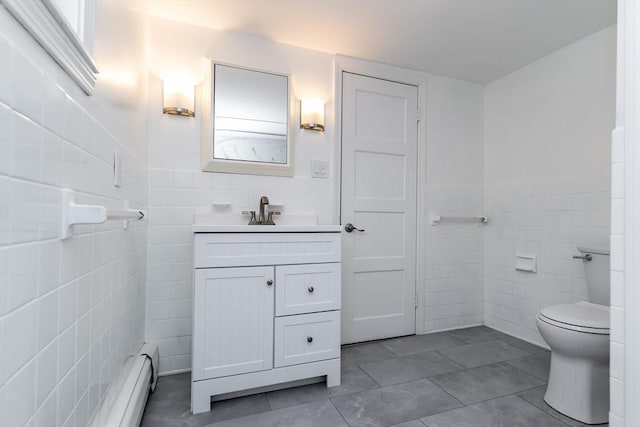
x=617 y=344
x=175 y=196
x=548 y=219
x=70 y=311
x=454 y=260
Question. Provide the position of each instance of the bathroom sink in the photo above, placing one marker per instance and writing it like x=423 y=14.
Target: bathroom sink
x=230 y=223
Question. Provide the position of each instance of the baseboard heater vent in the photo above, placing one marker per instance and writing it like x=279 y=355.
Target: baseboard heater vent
x=129 y=392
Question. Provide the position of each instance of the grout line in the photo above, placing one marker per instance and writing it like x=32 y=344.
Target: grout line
x=338 y=411
x=541 y=409
x=367 y=374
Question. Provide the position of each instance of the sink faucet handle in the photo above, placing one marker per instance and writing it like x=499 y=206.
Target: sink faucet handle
x=270 y=219
x=253 y=221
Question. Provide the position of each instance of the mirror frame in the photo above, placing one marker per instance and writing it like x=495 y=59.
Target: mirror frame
x=209 y=163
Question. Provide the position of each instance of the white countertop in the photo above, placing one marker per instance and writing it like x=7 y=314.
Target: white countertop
x=231 y=223
x=293 y=228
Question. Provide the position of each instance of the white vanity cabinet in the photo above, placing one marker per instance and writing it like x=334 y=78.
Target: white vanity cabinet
x=266 y=309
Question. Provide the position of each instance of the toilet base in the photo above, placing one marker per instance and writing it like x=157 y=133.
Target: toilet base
x=579 y=388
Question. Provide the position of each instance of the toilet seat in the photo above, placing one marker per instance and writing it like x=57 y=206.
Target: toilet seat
x=582 y=316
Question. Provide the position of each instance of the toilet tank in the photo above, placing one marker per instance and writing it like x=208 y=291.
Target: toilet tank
x=597 y=274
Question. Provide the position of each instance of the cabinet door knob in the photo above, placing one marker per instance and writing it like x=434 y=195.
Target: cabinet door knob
x=310 y=289
x=269 y=282
x=309 y=339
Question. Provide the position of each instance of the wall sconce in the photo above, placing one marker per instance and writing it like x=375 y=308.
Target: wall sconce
x=178 y=98
x=312 y=114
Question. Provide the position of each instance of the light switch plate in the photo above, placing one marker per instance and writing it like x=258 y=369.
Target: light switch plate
x=319 y=169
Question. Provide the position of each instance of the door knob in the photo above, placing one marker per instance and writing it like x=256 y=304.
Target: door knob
x=310 y=289
x=269 y=282
x=309 y=339
x=350 y=227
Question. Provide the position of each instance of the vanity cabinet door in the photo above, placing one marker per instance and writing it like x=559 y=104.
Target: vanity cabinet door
x=233 y=321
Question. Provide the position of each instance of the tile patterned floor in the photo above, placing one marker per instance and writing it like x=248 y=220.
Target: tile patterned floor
x=469 y=377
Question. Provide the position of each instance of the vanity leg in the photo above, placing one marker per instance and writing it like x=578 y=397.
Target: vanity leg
x=333 y=377
x=200 y=401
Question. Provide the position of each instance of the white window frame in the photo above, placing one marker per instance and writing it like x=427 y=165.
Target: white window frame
x=50 y=29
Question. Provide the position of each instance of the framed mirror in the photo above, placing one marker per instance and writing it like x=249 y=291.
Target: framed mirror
x=247 y=121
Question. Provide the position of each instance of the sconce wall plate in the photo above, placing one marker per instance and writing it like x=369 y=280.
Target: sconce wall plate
x=179 y=111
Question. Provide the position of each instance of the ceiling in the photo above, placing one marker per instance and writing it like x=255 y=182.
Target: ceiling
x=477 y=40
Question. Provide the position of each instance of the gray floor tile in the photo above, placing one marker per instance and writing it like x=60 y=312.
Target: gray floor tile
x=526 y=346
x=482 y=353
x=353 y=380
x=172 y=386
x=486 y=382
x=537 y=365
x=484 y=333
x=170 y=405
x=399 y=361
x=504 y=411
x=413 y=423
x=367 y=352
x=475 y=334
x=420 y=343
x=535 y=396
x=394 y=404
x=314 y=414
x=160 y=421
x=409 y=368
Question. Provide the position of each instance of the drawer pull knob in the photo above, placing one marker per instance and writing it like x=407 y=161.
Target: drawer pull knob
x=310 y=289
x=309 y=339
x=269 y=282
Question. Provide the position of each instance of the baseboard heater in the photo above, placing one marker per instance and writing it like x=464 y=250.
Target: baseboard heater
x=129 y=392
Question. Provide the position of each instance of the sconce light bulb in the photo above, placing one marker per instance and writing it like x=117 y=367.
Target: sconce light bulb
x=312 y=114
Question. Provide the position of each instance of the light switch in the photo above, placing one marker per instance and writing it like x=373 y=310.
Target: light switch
x=319 y=169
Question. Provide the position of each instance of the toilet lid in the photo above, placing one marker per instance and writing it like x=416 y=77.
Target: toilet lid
x=580 y=315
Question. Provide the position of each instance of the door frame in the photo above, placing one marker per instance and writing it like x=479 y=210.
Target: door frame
x=626 y=247
x=398 y=75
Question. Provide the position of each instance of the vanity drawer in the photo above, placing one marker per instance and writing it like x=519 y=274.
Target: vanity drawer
x=306 y=338
x=307 y=288
x=251 y=249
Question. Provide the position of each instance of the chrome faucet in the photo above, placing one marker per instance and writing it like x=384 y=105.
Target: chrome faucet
x=264 y=200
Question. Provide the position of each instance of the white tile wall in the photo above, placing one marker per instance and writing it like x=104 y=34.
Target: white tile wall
x=548 y=221
x=70 y=311
x=616 y=413
x=454 y=260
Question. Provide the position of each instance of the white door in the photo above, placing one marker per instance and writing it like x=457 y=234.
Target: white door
x=379 y=166
x=233 y=321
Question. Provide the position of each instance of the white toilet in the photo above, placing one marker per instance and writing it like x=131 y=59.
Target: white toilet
x=578 y=335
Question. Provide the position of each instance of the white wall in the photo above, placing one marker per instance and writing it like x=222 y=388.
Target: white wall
x=178 y=189
x=70 y=311
x=547 y=178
